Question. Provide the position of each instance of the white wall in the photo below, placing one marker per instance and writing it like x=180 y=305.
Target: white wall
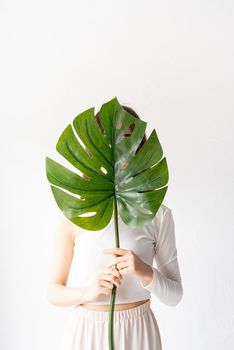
x=172 y=61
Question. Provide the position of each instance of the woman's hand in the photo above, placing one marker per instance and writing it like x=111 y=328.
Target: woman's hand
x=103 y=284
x=130 y=263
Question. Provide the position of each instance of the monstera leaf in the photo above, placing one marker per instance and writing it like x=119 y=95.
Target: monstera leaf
x=117 y=179
x=113 y=172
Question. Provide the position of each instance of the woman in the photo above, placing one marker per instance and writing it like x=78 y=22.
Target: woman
x=135 y=326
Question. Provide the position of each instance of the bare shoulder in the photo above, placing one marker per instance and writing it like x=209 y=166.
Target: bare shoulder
x=65 y=226
x=63 y=250
x=68 y=227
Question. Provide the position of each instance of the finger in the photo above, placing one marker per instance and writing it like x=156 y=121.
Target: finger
x=116 y=261
x=116 y=274
x=118 y=251
x=113 y=272
x=112 y=279
x=123 y=266
x=106 y=284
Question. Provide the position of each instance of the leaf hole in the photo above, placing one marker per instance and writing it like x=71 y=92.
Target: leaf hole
x=89 y=214
x=88 y=152
x=82 y=144
x=85 y=177
x=119 y=124
x=103 y=170
x=124 y=165
x=129 y=130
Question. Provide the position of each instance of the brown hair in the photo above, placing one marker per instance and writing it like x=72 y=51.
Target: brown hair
x=134 y=114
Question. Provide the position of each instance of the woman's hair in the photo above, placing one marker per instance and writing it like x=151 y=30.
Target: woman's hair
x=134 y=114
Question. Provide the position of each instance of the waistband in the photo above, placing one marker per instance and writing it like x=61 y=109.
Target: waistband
x=118 y=315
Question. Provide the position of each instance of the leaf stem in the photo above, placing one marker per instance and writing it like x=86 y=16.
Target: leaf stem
x=113 y=294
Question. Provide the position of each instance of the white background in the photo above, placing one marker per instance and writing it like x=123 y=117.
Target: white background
x=172 y=61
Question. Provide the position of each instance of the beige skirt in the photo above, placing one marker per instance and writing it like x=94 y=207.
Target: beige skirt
x=133 y=329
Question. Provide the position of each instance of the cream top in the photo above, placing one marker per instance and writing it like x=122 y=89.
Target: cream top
x=153 y=243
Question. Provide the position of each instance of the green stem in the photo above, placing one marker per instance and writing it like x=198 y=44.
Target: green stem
x=113 y=294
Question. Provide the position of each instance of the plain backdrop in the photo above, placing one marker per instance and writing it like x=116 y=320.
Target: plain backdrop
x=172 y=61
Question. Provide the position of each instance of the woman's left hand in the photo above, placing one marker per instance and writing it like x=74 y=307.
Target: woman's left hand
x=129 y=262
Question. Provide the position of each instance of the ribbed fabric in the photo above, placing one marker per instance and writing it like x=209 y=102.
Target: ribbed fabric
x=134 y=329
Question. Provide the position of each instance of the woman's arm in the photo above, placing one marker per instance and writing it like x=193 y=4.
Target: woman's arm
x=166 y=282
x=57 y=291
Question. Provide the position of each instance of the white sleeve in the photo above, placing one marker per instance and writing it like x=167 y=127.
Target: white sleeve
x=166 y=284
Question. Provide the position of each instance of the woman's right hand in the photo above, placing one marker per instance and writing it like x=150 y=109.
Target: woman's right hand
x=103 y=284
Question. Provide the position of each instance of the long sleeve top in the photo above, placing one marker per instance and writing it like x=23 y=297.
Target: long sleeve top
x=166 y=284
x=154 y=242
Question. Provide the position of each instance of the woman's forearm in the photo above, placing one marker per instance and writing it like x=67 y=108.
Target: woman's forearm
x=61 y=295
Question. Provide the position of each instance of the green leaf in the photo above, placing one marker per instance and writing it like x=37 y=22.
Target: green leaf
x=112 y=168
